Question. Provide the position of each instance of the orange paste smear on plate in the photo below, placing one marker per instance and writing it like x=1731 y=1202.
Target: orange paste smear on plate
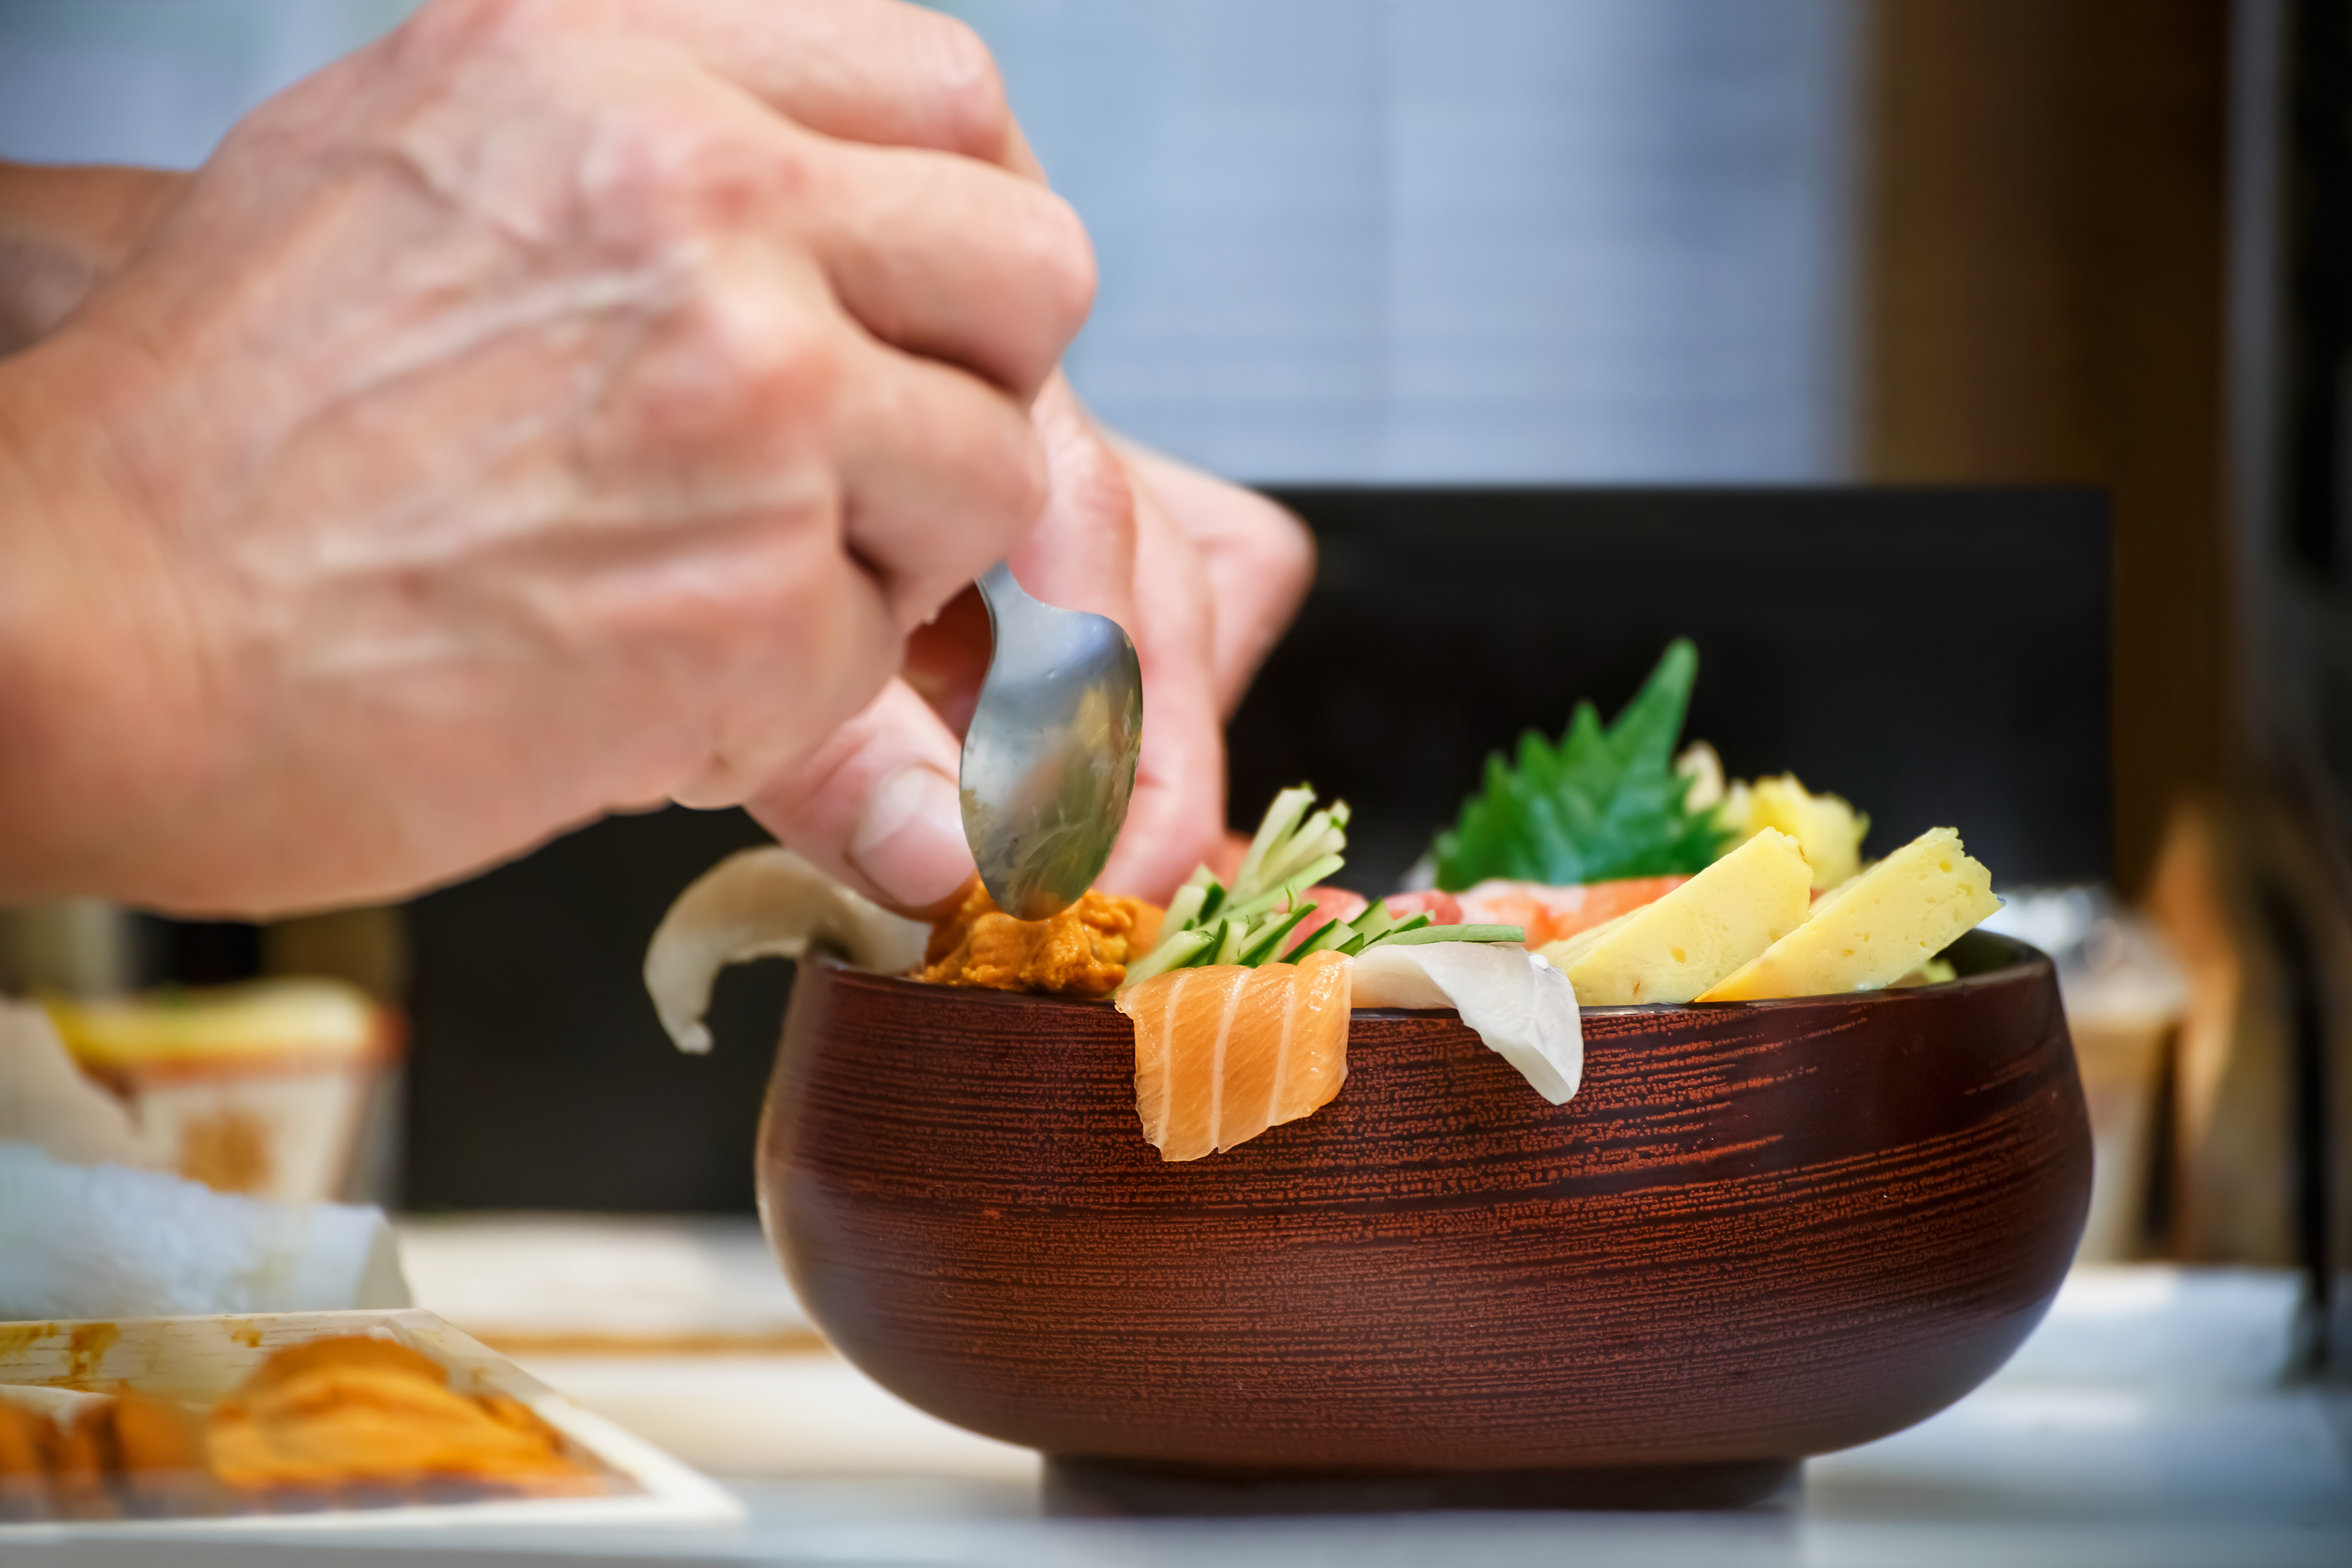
x=346 y=1420
x=358 y=1408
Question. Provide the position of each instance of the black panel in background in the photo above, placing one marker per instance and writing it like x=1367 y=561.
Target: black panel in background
x=538 y=1076
x=1939 y=657
x=169 y=952
x=2315 y=350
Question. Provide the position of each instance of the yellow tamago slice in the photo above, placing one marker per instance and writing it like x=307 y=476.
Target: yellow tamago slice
x=1671 y=950
x=1569 y=951
x=1829 y=830
x=1876 y=928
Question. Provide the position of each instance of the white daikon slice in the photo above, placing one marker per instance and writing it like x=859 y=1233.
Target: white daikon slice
x=1519 y=1005
x=762 y=903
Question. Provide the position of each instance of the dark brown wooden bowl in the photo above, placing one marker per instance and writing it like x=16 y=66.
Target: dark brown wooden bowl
x=1760 y=1231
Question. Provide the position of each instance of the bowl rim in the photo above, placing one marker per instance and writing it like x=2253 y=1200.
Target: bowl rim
x=2017 y=961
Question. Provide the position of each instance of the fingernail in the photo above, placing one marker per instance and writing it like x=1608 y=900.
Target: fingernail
x=910 y=843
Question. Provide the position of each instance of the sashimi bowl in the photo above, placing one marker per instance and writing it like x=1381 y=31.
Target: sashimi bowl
x=1758 y=1231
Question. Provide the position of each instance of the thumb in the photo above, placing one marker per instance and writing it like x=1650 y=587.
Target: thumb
x=875 y=806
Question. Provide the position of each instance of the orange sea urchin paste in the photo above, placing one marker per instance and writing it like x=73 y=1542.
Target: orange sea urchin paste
x=1081 y=952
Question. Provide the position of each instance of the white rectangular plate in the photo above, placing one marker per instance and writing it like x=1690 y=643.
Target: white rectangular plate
x=205 y=1359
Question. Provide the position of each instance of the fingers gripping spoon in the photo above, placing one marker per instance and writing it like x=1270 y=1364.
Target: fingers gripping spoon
x=1049 y=759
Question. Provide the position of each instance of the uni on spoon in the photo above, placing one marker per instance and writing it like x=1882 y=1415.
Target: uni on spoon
x=1049 y=759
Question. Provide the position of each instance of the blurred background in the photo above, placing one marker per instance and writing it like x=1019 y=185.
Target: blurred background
x=1652 y=271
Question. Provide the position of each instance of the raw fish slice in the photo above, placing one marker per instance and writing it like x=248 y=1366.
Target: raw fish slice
x=1442 y=908
x=1224 y=1052
x=1246 y=1086
x=1312 y=1054
x=1330 y=904
x=1548 y=914
x=1178 y=1044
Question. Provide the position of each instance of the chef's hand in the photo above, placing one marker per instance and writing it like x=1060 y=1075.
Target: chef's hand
x=553 y=407
x=63 y=231
x=1203 y=575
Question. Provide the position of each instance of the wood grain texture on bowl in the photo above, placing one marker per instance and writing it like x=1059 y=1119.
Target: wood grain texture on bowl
x=1759 y=1232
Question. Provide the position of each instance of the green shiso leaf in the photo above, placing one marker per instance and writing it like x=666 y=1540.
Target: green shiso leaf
x=1598 y=805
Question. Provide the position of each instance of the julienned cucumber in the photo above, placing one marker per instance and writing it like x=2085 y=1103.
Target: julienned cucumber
x=1296 y=847
x=1422 y=934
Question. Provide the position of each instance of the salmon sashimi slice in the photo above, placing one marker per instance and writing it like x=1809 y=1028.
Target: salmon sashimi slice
x=1225 y=1051
x=1549 y=914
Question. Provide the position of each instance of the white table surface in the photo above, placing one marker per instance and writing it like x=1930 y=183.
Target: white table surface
x=2149 y=1422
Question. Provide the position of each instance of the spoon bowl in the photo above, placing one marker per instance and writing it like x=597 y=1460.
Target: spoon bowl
x=1049 y=759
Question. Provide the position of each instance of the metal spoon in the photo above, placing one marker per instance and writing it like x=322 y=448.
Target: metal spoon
x=1049 y=759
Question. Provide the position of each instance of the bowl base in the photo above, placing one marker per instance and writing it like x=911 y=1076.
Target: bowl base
x=1077 y=1487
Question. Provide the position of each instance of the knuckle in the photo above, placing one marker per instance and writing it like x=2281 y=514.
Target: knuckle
x=962 y=83
x=762 y=344
x=740 y=370
x=688 y=175
x=795 y=369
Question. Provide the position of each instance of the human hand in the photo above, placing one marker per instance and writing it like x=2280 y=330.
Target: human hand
x=1202 y=574
x=1256 y=559
x=63 y=230
x=552 y=408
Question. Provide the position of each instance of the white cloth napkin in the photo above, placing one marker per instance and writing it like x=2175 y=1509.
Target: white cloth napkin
x=83 y=1235
x=46 y=1099
x=106 y=1241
